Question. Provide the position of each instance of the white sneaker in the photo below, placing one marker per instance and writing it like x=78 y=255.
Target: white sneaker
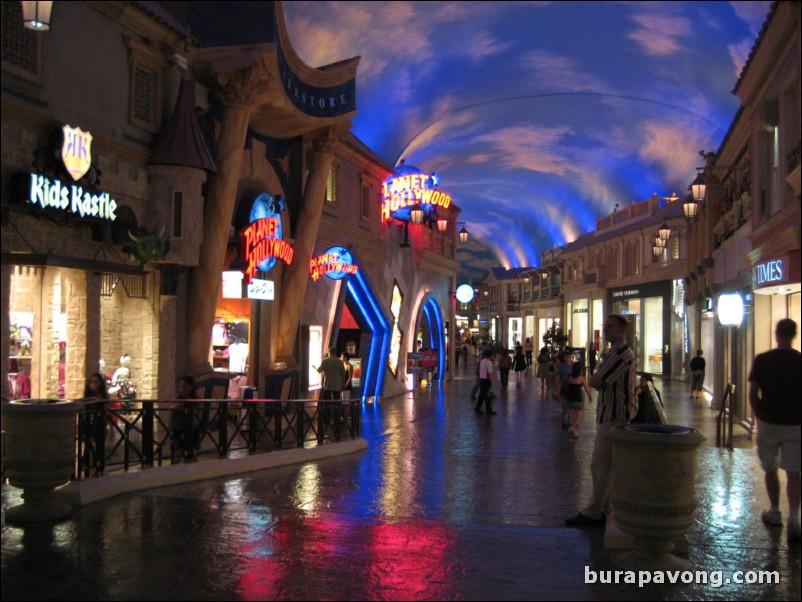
x=772 y=517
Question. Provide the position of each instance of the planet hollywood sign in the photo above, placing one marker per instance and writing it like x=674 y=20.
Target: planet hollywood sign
x=402 y=191
x=262 y=239
x=336 y=263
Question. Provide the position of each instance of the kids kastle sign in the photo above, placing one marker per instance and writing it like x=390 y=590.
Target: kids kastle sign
x=76 y=154
x=263 y=239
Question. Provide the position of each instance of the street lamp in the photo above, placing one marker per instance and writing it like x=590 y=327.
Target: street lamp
x=690 y=207
x=416 y=214
x=698 y=188
x=463 y=234
x=36 y=15
x=664 y=232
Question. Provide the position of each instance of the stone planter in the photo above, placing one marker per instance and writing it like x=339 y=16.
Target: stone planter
x=654 y=488
x=40 y=455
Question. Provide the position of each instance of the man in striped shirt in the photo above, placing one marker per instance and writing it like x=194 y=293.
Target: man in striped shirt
x=617 y=404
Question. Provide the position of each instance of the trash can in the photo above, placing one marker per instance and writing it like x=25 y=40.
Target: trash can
x=40 y=455
x=654 y=487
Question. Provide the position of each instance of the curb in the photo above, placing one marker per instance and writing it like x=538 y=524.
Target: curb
x=81 y=493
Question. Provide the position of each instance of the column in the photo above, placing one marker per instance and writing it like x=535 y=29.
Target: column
x=240 y=87
x=305 y=230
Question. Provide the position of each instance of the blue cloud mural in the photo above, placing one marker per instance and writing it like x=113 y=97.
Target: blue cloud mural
x=539 y=117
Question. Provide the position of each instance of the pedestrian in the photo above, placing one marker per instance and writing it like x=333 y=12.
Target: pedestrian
x=92 y=423
x=775 y=388
x=504 y=363
x=561 y=374
x=333 y=378
x=349 y=375
x=543 y=372
x=334 y=375
x=519 y=365
x=529 y=351
x=95 y=388
x=698 y=372
x=574 y=385
x=485 y=380
x=465 y=354
x=616 y=402
x=592 y=359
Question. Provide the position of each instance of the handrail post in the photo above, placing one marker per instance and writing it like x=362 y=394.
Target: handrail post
x=222 y=427
x=147 y=433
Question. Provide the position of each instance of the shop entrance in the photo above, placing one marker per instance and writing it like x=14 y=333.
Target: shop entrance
x=432 y=338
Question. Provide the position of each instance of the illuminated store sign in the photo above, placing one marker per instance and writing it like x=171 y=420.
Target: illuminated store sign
x=54 y=194
x=396 y=334
x=770 y=273
x=315 y=357
x=336 y=263
x=400 y=192
x=262 y=240
x=263 y=290
x=731 y=309
x=76 y=151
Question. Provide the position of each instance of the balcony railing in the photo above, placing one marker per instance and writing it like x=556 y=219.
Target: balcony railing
x=151 y=432
x=793 y=158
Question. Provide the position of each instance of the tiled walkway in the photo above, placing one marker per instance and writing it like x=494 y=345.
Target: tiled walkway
x=443 y=505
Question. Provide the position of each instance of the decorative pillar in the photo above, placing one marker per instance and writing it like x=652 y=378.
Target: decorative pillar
x=240 y=87
x=296 y=275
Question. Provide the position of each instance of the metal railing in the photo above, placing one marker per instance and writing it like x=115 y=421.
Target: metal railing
x=153 y=432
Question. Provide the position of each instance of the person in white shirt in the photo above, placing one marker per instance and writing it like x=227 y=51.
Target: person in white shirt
x=485 y=380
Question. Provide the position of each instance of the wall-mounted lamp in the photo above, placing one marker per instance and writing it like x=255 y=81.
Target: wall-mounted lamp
x=416 y=214
x=698 y=187
x=463 y=234
x=36 y=15
x=442 y=223
x=658 y=251
x=659 y=242
x=664 y=232
x=690 y=207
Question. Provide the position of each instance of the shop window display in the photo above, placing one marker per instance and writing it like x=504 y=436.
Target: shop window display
x=20 y=355
x=230 y=350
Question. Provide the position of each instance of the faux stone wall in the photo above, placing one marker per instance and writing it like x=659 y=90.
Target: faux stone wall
x=127 y=327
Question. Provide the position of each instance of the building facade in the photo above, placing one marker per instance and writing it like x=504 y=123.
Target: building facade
x=745 y=240
x=221 y=169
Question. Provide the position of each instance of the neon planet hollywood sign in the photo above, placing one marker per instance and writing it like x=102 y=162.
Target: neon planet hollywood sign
x=261 y=242
x=336 y=263
x=403 y=191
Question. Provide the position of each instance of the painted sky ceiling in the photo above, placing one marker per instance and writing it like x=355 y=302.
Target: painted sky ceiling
x=538 y=116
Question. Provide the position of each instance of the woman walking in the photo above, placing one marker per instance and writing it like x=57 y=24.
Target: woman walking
x=543 y=372
x=574 y=401
x=519 y=365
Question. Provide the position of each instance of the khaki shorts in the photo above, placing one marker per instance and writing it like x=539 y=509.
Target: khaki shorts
x=778 y=445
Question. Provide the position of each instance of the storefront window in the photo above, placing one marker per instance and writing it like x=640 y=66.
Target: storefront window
x=39 y=333
x=579 y=323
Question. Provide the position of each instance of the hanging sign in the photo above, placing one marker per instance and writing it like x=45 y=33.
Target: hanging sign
x=263 y=290
x=401 y=192
x=262 y=239
x=336 y=263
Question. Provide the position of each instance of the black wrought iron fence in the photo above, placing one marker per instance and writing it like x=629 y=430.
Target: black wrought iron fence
x=155 y=432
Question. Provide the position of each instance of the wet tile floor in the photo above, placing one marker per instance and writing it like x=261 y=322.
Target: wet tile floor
x=444 y=505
